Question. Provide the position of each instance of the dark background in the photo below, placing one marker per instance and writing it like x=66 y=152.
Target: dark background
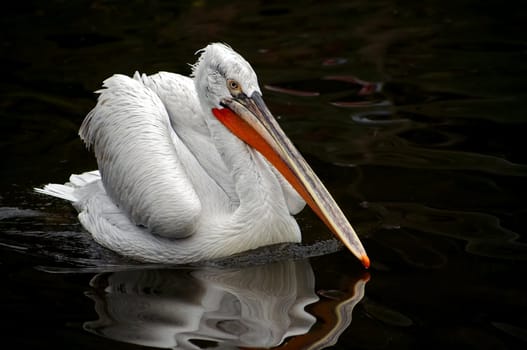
x=414 y=116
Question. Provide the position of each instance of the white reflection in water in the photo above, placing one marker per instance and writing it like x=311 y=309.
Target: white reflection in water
x=258 y=306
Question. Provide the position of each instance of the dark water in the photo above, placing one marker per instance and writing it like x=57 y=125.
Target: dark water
x=415 y=118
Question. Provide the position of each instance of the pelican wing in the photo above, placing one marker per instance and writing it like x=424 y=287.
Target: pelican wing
x=130 y=132
x=179 y=97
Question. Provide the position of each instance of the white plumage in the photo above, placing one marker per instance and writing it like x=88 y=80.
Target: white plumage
x=184 y=187
x=174 y=184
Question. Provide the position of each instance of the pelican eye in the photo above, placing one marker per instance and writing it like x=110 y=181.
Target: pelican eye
x=233 y=86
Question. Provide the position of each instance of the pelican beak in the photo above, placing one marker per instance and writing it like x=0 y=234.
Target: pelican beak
x=250 y=120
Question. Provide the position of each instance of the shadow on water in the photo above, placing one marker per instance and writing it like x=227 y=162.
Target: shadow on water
x=268 y=297
x=259 y=306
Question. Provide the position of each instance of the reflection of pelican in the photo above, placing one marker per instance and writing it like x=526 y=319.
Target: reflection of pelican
x=257 y=306
x=180 y=176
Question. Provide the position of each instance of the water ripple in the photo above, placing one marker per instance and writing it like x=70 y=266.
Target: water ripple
x=484 y=234
x=414 y=157
x=377 y=118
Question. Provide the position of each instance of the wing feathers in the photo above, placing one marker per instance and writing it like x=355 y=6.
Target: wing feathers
x=130 y=133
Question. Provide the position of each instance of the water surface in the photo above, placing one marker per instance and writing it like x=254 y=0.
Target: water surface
x=414 y=117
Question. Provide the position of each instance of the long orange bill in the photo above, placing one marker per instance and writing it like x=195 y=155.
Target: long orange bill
x=250 y=120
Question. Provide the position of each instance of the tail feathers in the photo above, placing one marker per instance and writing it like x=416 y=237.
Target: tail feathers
x=60 y=191
x=68 y=191
x=80 y=180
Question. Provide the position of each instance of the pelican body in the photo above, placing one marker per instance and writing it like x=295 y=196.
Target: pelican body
x=194 y=168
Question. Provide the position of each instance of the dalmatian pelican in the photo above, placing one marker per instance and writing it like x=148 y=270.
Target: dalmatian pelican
x=194 y=168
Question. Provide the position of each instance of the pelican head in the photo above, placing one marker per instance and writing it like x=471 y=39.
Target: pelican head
x=220 y=72
x=228 y=87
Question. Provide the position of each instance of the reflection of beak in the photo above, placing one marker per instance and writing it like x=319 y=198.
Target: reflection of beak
x=250 y=120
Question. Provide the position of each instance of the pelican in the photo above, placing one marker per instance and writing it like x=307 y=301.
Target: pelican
x=194 y=168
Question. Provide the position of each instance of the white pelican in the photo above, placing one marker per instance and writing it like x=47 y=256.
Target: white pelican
x=194 y=168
